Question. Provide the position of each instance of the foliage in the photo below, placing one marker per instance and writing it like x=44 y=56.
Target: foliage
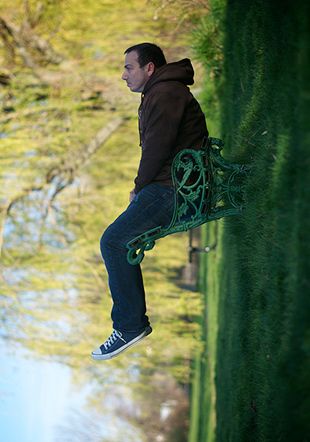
x=207 y=43
x=58 y=195
x=180 y=11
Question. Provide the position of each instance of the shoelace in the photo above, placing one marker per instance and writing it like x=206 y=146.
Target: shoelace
x=113 y=338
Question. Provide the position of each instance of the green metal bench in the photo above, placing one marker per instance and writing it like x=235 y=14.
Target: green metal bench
x=207 y=188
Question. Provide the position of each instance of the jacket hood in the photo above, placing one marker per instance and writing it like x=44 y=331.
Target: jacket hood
x=178 y=71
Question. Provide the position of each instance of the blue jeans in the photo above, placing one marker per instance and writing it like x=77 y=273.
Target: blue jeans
x=151 y=207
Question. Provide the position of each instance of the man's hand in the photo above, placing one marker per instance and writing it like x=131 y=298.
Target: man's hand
x=132 y=195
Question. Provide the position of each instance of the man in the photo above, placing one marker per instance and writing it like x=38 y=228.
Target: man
x=170 y=119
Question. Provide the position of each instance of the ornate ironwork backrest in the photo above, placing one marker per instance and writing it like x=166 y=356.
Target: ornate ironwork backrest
x=228 y=182
x=191 y=181
x=207 y=188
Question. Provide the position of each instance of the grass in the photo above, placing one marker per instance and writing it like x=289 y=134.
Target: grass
x=257 y=317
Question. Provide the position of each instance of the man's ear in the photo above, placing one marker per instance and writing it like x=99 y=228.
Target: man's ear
x=150 y=68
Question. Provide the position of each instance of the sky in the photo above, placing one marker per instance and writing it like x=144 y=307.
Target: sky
x=39 y=402
x=34 y=397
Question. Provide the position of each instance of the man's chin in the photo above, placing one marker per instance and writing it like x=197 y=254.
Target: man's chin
x=133 y=89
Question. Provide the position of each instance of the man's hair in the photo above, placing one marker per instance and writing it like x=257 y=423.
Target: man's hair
x=148 y=52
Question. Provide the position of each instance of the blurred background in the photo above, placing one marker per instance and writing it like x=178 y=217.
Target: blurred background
x=235 y=321
x=69 y=152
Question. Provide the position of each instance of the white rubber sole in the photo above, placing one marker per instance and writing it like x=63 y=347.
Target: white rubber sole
x=102 y=357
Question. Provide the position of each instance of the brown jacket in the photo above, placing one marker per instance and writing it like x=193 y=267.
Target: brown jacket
x=170 y=119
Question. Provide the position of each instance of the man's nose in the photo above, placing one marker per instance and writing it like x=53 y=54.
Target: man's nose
x=124 y=76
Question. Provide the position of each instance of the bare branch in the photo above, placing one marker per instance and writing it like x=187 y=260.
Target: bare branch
x=23 y=41
x=33 y=18
x=62 y=175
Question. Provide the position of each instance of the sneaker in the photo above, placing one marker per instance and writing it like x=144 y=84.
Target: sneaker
x=118 y=342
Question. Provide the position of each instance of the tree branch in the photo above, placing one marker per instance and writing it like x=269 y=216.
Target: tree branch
x=62 y=175
x=20 y=40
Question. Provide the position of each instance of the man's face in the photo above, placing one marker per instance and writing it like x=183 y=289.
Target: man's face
x=135 y=76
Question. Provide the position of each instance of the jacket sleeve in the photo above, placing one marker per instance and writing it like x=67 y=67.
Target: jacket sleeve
x=162 y=119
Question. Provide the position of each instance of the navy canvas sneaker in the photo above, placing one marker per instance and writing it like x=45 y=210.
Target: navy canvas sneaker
x=118 y=342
